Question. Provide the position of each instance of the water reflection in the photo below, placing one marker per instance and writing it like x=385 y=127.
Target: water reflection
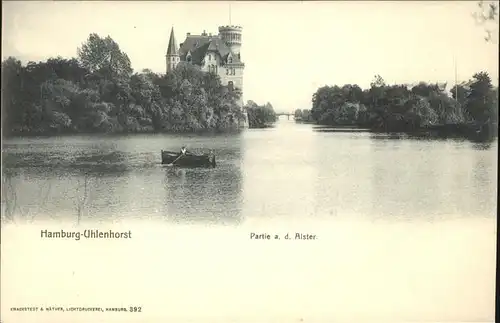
x=290 y=171
x=432 y=179
x=405 y=181
x=343 y=165
x=89 y=162
x=203 y=195
x=89 y=179
x=484 y=180
x=279 y=172
x=482 y=145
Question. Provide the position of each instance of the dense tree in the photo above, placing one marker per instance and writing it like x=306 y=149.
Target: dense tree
x=479 y=98
x=13 y=84
x=459 y=92
x=103 y=55
x=306 y=115
x=302 y=115
x=423 y=89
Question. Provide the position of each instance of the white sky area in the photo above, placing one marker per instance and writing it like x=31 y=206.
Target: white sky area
x=289 y=48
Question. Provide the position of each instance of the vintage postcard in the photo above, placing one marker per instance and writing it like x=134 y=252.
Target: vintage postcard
x=298 y=161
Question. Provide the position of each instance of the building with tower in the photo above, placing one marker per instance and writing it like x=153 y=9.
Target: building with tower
x=219 y=54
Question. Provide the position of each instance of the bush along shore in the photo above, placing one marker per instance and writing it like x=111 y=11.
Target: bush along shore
x=97 y=92
x=468 y=110
x=303 y=116
x=260 y=116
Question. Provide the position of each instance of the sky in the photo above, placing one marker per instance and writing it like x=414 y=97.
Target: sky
x=290 y=49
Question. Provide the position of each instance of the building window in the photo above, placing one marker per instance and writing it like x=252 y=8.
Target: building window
x=230 y=85
x=209 y=57
x=227 y=71
x=230 y=60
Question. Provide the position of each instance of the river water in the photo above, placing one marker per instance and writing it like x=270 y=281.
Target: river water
x=406 y=228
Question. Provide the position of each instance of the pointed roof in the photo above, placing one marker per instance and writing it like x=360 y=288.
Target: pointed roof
x=172 y=44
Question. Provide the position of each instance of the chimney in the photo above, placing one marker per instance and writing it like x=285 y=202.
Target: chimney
x=188 y=34
x=204 y=33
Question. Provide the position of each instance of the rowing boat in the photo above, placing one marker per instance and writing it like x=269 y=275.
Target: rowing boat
x=187 y=160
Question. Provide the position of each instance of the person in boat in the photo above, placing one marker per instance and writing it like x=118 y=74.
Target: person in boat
x=183 y=150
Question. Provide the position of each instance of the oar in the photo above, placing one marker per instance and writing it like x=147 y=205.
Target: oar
x=172 y=163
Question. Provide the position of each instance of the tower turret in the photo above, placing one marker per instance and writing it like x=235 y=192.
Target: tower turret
x=231 y=35
x=172 y=57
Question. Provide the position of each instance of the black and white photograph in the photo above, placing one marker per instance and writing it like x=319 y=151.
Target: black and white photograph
x=249 y=161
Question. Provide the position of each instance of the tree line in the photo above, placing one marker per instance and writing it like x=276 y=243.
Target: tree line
x=99 y=92
x=404 y=108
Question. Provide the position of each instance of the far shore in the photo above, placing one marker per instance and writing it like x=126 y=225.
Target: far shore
x=467 y=132
x=448 y=131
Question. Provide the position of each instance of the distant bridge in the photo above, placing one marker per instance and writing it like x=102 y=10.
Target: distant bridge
x=288 y=114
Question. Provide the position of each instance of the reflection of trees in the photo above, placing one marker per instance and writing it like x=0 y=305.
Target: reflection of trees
x=482 y=145
x=206 y=195
x=38 y=194
x=9 y=198
x=75 y=173
x=102 y=163
x=12 y=203
x=88 y=162
x=82 y=194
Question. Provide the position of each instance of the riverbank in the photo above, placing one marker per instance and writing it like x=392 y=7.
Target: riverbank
x=298 y=120
x=264 y=126
x=471 y=132
x=31 y=134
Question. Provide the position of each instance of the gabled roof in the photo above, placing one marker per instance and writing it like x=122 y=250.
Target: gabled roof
x=199 y=45
x=213 y=46
x=172 y=44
